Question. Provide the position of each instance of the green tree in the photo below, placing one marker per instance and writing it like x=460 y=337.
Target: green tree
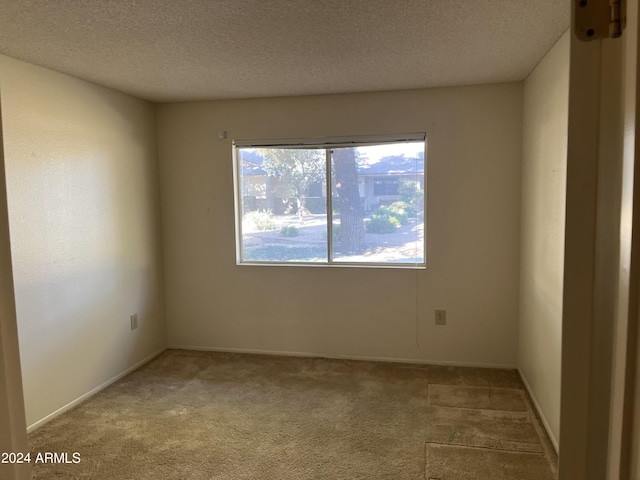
x=351 y=211
x=411 y=193
x=297 y=169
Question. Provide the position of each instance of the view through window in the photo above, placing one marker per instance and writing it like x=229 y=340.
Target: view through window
x=335 y=203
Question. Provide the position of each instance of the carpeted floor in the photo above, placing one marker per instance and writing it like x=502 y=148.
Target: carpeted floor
x=201 y=415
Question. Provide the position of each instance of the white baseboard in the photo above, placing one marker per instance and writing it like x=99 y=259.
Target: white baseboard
x=342 y=357
x=545 y=422
x=92 y=392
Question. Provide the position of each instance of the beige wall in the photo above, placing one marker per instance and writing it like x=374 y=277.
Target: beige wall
x=544 y=163
x=473 y=208
x=84 y=217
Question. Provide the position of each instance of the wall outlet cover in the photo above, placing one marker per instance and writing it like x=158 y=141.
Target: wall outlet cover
x=134 y=321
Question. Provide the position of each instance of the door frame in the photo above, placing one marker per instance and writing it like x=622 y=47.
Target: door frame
x=602 y=250
x=13 y=428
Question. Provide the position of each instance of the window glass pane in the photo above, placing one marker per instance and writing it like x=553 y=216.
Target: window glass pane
x=283 y=204
x=378 y=203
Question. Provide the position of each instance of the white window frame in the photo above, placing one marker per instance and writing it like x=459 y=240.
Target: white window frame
x=327 y=144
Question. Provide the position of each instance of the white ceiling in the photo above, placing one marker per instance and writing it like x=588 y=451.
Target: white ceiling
x=173 y=50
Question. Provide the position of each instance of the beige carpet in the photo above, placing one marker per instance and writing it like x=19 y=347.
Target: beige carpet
x=448 y=462
x=482 y=428
x=485 y=398
x=196 y=415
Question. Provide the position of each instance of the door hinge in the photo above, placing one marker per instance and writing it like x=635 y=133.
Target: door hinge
x=597 y=19
x=615 y=24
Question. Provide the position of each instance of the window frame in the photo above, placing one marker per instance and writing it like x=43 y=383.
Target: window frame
x=325 y=143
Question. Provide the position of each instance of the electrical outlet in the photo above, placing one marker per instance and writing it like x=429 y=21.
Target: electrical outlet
x=134 y=321
x=441 y=317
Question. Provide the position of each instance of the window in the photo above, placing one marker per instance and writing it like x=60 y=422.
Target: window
x=336 y=202
x=386 y=186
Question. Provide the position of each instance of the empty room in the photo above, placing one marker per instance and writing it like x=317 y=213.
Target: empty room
x=305 y=240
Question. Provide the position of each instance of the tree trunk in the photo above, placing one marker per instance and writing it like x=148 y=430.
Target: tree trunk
x=271 y=193
x=351 y=214
x=301 y=202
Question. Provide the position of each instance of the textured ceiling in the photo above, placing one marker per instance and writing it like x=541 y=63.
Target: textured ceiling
x=173 y=50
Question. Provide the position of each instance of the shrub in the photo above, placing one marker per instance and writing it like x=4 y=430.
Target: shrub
x=382 y=224
x=411 y=193
x=262 y=219
x=396 y=209
x=289 y=231
x=407 y=208
x=387 y=218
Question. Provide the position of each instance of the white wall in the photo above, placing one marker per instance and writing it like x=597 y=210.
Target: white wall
x=82 y=181
x=544 y=161
x=473 y=208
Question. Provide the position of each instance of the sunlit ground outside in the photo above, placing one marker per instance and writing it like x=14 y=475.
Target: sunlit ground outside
x=285 y=238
